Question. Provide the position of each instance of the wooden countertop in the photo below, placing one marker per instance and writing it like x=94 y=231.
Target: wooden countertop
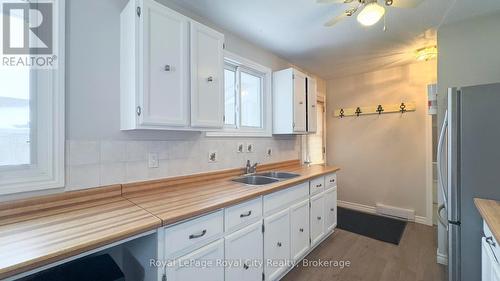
x=43 y=230
x=490 y=211
x=40 y=231
x=177 y=199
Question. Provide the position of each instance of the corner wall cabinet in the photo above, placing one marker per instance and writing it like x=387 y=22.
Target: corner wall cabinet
x=171 y=70
x=294 y=102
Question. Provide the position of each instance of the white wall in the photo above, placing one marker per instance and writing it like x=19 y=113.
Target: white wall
x=383 y=158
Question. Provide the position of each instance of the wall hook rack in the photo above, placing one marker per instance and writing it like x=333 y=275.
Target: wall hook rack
x=380 y=109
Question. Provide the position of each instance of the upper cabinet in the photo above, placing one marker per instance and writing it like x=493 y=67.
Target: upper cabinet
x=294 y=96
x=167 y=81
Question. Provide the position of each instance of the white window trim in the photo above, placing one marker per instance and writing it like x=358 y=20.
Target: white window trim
x=50 y=174
x=267 y=124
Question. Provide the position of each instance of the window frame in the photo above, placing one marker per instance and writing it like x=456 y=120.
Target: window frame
x=47 y=172
x=253 y=68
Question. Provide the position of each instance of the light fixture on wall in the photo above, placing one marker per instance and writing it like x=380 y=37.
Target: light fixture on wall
x=426 y=53
x=371 y=14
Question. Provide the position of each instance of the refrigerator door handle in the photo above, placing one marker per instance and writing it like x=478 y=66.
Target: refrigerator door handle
x=440 y=161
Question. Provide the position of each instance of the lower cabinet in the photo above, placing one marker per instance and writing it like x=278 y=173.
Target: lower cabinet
x=276 y=244
x=330 y=209
x=200 y=265
x=244 y=254
x=317 y=218
x=299 y=230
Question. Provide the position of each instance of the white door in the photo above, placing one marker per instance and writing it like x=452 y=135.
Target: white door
x=244 y=254
x=330 y=209
x=276 y=244
x=164 y=98
x=317 y=218
x=200 y=265
x=207 y=80
x=299 y=230
x=312 y=108
x=299 y=102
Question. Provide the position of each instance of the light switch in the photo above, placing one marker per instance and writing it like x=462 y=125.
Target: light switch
x=153 y=161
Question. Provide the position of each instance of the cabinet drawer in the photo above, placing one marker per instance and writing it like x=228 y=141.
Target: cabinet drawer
x=284 y=198
x=493 y=242
x=243 y=214
x=193 y=233
x=317 y=185
x=330 y=180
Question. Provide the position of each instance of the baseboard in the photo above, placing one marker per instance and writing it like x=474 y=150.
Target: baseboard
x=441 y=258
x=373 y=210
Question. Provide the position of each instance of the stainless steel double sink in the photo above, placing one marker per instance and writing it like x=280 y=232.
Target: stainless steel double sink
x=265 y=178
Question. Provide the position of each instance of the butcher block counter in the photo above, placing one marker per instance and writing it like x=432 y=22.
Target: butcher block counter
x=40 y=231
x=490 y=212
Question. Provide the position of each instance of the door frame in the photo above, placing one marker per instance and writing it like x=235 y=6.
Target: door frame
x=429 y=171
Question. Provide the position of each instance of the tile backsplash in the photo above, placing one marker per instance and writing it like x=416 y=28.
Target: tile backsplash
x=98 y=163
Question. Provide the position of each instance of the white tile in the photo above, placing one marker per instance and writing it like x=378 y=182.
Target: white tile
x=113 y=151
x=160 y=147
x=83 y=176
x=83 y=152
x=137 y=150
x=159 y=173
x=112 y=173
x=136 y=171
x=177 y=150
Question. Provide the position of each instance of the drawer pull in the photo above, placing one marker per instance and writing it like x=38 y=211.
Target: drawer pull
x=332 y=210
x=249 y=213
x=301 y=230
x=319 y=218
x=210 y=79
x=490 y=241
x=245 y=266
x=332 y=180
x=319 y=185
x=279 y=244
x=194 y=236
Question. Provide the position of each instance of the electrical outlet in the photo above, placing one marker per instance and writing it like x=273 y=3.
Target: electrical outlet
x=240 y=148
x=250 y=148
x=212 y=157
x=153 y=160
x=269 y=152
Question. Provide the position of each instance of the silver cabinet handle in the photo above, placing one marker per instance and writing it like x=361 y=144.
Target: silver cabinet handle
x=279 y=244
x=490 y=241
x=332 y=210
x=249 y=213
x=167 y=67
x=301 y=102
x=332 y=180
x=319 y=185
x=245 y=266
x=210 y=79
x=194 y=236
x=319 y=218
x=301 y=230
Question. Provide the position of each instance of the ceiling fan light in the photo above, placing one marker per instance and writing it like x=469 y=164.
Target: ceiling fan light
x=371 y=14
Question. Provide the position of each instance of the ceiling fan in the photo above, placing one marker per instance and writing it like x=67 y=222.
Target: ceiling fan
x=370 y=11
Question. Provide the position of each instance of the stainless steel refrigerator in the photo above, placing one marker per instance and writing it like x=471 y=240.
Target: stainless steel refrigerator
x=468 y=167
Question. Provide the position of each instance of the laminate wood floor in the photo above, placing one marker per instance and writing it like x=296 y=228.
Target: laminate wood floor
x=414 y=259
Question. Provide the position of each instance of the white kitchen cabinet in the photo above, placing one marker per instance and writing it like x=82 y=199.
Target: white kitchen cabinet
x=199 y=265
x=276 y=244
x=312 y=109
x=167 y=81
x=330 y=209
x=289 y=102
x=207 y=80
x=244 y=251
x=299 y=230
x=317 y=218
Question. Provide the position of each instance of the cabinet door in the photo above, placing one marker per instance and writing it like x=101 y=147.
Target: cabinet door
x=330 y=209
x=207 y=80
x=299 y=230
x=312 y=109
x=276 y=244
x=164 y=98
x=245 y=254
x=199 y=265
x=299 y=104
x=317 y=218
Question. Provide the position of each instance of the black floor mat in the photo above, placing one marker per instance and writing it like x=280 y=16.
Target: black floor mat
x=373 y=226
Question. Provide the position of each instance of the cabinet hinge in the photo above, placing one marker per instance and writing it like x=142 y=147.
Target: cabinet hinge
x=223 y=45
x=139 y=11
x=263 y=276
x=164 y=277
x=293 y=76
x=224 y=118
x=310 y=240
x=324 y=149
x=309 y=204
x=263 y=228
x=138 y=110
x=293 y=125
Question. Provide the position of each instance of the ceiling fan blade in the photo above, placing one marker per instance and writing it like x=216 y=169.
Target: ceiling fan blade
x=406 y=3
x=334 y=1
x=336 y=19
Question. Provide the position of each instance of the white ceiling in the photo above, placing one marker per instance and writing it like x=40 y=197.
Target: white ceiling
x=293 y=29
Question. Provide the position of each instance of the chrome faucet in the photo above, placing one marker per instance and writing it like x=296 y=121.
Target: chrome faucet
x=250 y=169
